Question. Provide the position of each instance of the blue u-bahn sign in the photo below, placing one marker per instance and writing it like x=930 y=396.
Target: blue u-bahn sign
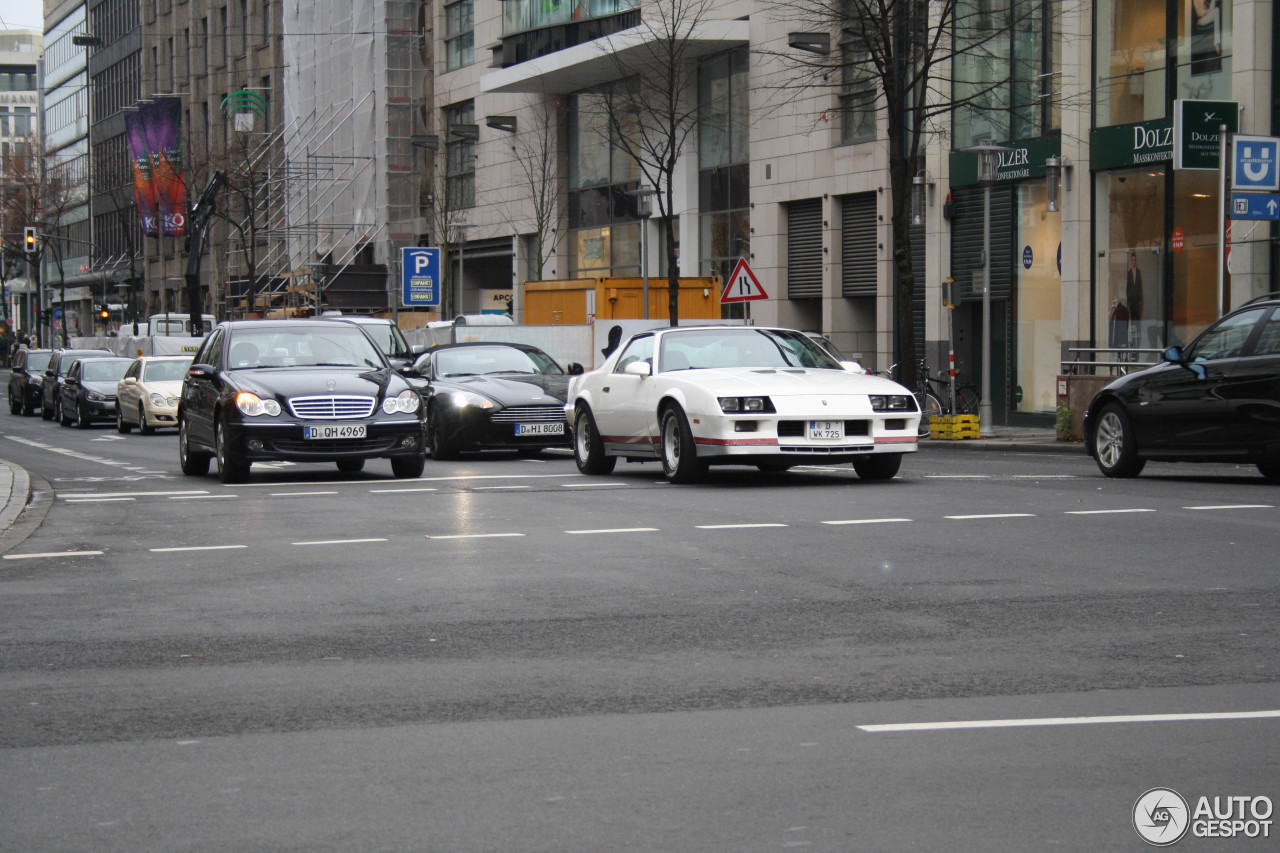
x=420 y=277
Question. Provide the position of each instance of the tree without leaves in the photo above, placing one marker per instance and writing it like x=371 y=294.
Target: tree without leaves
x=652 y=112
x=903 y=48
x=538 y=166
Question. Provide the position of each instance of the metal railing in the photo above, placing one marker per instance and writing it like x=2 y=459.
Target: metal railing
x=1112 y=360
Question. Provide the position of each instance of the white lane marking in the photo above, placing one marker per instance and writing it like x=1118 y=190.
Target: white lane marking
x=1104 y=511
x=198 y=548
x=202 y=497
x=1042 y=476
x=1234 y=506
x=736 y=526
x=418 y=480
x=340 y=541
x=399 y=491
x=615 y=530
x=54 y=554
x=73 y=495
x=74 y=454
x=590 y=485
x=1070 y=721
x=868 y=521
x=76 y=500
x=474 y=536
x=492 y=488
x=298 y=494
x=991 y=515
x=957 y=476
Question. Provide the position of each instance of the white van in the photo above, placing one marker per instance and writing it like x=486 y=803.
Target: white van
x=174 y=324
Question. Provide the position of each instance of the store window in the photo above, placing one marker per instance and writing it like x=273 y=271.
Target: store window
x=604 y=218
x=1130 y=221
x=1133 y=63
x=724 y=195
x=1038 y=301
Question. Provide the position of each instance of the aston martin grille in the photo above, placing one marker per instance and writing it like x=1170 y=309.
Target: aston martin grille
x=331 y=408
x=529 y=414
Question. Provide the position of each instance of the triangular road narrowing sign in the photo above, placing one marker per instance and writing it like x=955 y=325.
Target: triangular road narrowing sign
x=742 y=286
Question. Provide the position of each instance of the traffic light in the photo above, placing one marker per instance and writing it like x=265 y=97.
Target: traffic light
x=29 y=238
x=104 y=314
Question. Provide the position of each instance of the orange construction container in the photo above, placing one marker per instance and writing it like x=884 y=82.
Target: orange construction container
x=578 y=301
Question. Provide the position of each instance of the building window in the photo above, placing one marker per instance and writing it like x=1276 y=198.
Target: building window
x=724 y=183
x=460 y=159
x=1007 y=70
x=459 y=38
x=858 y=86
x=603 y=209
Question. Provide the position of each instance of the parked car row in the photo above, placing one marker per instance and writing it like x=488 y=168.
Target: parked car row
x=328 y=390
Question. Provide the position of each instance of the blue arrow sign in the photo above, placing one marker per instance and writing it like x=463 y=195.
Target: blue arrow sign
x=420 y=277
x=1255 y=206
x=1255 y=163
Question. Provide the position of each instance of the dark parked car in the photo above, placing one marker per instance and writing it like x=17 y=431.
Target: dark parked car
x=488 y=395
x=386 y=335
x=298 y=390
x=89 y=390
x=26 y=379
x=55 y=373
x=1215 y=400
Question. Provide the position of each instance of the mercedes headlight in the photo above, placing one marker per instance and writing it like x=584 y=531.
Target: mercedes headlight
x=407 y=401
x=158 y=400
x=462 y=399
x=251 y=405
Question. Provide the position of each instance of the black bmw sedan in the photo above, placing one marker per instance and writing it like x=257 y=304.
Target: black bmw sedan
x=1215 y=400
x=296 y=390
x=492 y=396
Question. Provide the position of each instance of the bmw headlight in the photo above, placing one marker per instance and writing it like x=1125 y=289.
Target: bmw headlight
x=406 y=401
x=251 y=405
x=737 y=405
x=462 y=399
x=893 y=403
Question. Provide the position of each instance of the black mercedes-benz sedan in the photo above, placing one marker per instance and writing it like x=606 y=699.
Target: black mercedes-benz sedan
x=492 y=396
x=295 y=390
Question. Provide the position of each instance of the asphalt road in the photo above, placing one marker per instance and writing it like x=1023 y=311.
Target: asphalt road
x=505 y=655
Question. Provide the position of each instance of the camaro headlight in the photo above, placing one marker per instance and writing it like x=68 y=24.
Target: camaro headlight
x=252 y=405
x=893 y=403
x=407 y=401
x=462 y=399
x=745 y=404
x=95 y=397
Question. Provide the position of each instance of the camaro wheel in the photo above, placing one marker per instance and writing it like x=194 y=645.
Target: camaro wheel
x=1115 y=448
x=122 y=426
x=231 y=468
x=437 y=445
x=350 y=466
x=588 y=447
x=882 y=466
x=408 y=467
x=143 y=426
x=193 y=464
x=679 y=452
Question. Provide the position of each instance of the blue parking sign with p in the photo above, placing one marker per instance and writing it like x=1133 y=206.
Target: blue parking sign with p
x=420 y=276
x=1254 y=161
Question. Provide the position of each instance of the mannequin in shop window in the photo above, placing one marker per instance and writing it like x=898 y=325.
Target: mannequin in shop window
x=1133 y=299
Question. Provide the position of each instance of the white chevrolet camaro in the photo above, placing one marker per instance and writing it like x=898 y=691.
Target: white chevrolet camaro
x=695 y=396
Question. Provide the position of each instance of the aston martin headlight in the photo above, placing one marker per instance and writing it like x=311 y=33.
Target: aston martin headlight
x=893 y=403
x=251 y=405
x=462 y=399
x=735 y=405
x=407 y=401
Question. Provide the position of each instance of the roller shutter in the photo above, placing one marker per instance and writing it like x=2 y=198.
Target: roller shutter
x=858 y=245
x=967 y=239
x=804 y=249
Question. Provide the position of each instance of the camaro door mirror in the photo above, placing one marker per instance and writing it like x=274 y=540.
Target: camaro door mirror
x=852 y=367
x=638 y=368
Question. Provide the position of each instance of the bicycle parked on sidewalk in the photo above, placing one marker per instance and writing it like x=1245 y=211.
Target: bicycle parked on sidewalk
x=932 y=394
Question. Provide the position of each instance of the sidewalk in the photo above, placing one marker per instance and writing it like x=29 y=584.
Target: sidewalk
x=15 y=489
x=1010 y=438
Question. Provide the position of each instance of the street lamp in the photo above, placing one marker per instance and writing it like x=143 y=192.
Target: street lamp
x=644 y=210
x=988 y=167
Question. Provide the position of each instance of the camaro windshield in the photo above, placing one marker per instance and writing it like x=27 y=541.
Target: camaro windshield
x=477 y=361
x=165 y=371
x=336 y=347
x=718 y=348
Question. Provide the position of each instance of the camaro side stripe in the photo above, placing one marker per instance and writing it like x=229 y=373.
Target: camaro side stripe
x=736 y=442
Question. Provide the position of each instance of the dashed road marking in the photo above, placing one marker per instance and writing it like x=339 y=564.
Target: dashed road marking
x=474 y=536
x=991 y=515
x=197 y=548
x=299 y=494
x=401 y=491
x=738 y=526
x=53 y=554
x=340 y=541
x=1234 y=506
x=614 y=530
x=1104 y=511
x=868 y=521
x=1069 y=721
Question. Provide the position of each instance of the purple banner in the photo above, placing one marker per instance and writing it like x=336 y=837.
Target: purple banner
x=162 y=121
x=144 y=190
